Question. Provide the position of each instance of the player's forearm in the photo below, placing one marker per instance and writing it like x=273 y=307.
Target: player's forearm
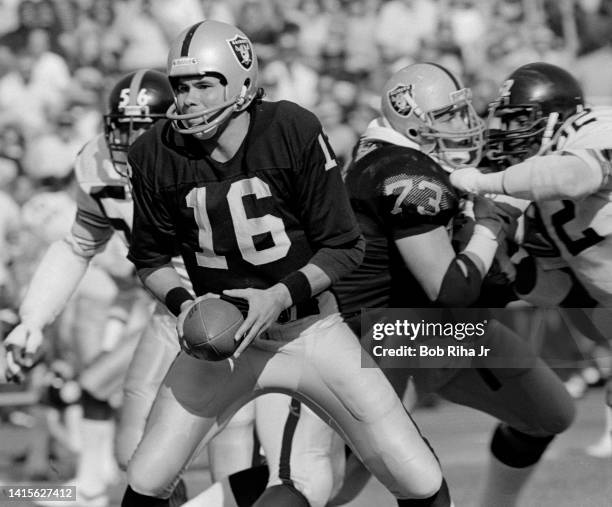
x=326 y=267
x=165 y=284
x=544 y=178
x=55 y=280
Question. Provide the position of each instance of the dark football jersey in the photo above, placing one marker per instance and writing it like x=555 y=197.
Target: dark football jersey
x=247 y=222
x=395 y=192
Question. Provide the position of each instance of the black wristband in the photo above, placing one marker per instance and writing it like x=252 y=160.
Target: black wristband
x=175 y=298
x=298 y=285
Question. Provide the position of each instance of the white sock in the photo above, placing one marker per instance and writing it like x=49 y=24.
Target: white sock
x=96 y=451
x=217 y=495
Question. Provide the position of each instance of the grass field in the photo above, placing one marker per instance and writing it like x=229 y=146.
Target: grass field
x=566 y=478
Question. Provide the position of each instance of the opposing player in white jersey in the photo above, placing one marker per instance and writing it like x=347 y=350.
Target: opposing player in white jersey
x=559 y=154
x=104 y=206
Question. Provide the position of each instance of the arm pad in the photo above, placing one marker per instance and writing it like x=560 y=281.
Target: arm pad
x=55 y=280
x=339 y=261
x=461 y=283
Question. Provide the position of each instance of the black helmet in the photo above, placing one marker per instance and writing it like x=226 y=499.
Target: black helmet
x=533 y=103
x=137 y=101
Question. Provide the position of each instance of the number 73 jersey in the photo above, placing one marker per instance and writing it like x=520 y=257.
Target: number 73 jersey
x=582 y=229
x=396 y=192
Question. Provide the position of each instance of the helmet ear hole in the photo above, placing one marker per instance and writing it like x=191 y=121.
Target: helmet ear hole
x=413 y=132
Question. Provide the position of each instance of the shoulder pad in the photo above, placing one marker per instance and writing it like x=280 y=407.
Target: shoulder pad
x=412 y=187
x=93 y=166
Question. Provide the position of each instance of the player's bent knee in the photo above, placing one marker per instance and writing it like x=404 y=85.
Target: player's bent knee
x=146 y=480
x=426 y=485
x=517 y=449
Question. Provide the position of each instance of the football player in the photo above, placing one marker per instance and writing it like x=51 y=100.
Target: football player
x=104 y=207
x=399 y=187
x=558 y=154
x=297 y=440
x=251 y=195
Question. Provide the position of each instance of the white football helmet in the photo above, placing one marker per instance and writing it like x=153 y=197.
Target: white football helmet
x=427 y=104
x=222 y=50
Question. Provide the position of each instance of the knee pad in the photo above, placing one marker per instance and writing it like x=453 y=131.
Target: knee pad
x=439 y=499
x=282 y=494
x=95 y=409
x=517 y=449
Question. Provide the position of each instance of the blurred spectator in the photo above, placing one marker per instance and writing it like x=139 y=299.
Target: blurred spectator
x=9 y=15
x=11 y=153
x=49 y=157
x=144 y=42
x=262 y=22
x=287 y=77
x=403 y=24
x=94 y=41
x=360 y=42
x=174 y=16
x=314 y=23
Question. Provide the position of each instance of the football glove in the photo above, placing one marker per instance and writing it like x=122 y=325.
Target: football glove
x=499 y=217
x=22 y=346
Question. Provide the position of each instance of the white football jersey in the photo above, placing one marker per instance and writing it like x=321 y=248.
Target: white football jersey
x=582 y=229
x=104 y=203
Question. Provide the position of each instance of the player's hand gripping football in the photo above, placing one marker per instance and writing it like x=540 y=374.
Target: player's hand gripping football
x=264 y=308
x=185 y=307
x=21 y=345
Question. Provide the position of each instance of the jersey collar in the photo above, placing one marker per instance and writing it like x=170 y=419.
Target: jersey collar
x=380 y=129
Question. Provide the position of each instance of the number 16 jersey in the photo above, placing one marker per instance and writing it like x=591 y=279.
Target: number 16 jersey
x=247 y=222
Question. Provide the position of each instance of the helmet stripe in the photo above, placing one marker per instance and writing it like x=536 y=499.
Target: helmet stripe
x=135 y=86
x=187 y=39
x=449 y=74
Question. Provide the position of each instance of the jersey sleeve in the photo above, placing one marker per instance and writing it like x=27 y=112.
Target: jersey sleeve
x=153 y=235
x=324 y=202
x=414 y=196
x=91 y=229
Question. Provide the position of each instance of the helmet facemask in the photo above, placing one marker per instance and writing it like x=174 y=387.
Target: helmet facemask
x=136 y=102
x=459 y=146
x=215 y=49
x=211 y=118
x=120 y=132
x=527 y=117
x=518 y=132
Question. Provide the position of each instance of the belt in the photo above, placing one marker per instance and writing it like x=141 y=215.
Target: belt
x=299 y=311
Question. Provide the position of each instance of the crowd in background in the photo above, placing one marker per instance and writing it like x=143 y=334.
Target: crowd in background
x=60 y=58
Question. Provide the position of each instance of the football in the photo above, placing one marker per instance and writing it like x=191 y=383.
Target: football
x=209 y=329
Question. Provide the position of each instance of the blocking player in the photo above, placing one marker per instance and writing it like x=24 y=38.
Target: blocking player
x=250 y=193
x=558 y=154
x=399 y=187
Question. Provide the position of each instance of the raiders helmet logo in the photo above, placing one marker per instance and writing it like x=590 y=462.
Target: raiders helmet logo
x=242 y=51
x=401 y=99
